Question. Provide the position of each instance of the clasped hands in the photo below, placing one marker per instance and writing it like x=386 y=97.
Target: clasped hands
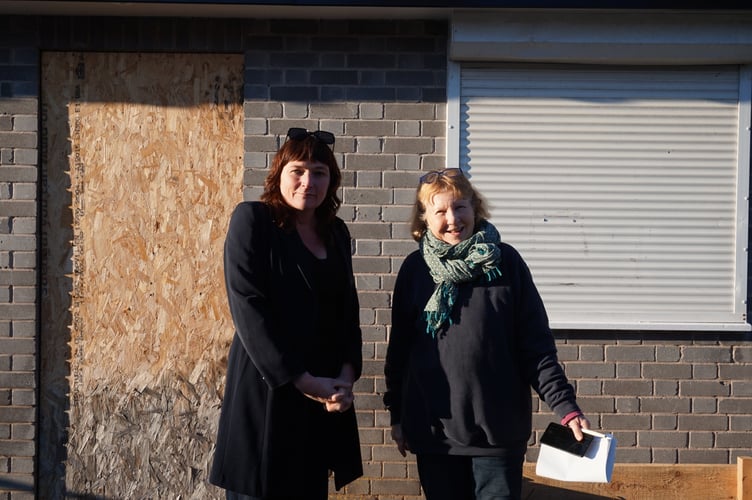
x=334 y=393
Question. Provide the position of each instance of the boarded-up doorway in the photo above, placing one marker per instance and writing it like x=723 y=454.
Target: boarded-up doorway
x=142 y=164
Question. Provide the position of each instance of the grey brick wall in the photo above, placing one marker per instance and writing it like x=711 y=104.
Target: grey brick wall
x=380 y=87
x=19 y=153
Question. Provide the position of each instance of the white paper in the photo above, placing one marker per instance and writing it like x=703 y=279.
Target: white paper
x=595 y=467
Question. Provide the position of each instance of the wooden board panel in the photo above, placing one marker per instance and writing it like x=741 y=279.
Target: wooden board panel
x=644 y=482
x=154 y=169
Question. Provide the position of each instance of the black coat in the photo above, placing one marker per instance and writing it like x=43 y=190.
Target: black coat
x=468 y=391
x=273 y=308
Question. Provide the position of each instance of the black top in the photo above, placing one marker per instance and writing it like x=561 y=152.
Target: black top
x=468 y=391
x=286 y=322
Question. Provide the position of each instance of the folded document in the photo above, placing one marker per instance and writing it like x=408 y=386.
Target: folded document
x=595 y=466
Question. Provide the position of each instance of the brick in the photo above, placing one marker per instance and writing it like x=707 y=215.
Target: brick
x=260 y=143
x=334 y=110
x=16 y=379
x=399 y=247
x=403 y=111
x=665 y=405
x=633 y=455
x=373 y=299
x=21 y=328
x=394 y=487
x=416 y=145
x=24 y=295
x=367 y=146
x=704 y=405
x=24 y=397
x=741 y=389
x=24 y=225
x=742 y=354
x=21 y=465
x=17 y=311
x=18 y=174
x=706 y=354
x=18 y=242
x=703 y=422
x=18 y=139
x=666 y=371
x=626 y=422
x=663 y=439
x=734 y=440
x=735 y=372
x=665 y=456
x=25 y=123
x=703 y=456
x=26 y=157
x=628 y=370
x=19 y=106
x=17 y=346
x=735 y=406
x=741 y=423
x=262 y=109
x=23 y=485
x=664 y=422
x=627 y=405
x=17 y=448
x=704 y=388
x=667 y=354
x=366 y=248
x=373 y=128
x=630 y=353
x=701 y=440
x=592 y=353
x=408 y=128
x=666 y=388
x=589 y=387
x=628 y=387
x=376 y=162
x=591 y=370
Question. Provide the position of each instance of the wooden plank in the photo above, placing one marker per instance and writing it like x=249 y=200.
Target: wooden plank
x=744 y=478
x=644 y=482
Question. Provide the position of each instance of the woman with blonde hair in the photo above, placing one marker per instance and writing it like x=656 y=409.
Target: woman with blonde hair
x=469 y=338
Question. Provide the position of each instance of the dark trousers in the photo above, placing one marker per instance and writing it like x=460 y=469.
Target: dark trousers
x=453 y=477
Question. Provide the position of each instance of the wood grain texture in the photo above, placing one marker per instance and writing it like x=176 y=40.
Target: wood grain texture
x=154 y=170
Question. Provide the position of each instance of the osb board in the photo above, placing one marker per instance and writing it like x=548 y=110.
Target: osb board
x=642 y=482
x=143 y=167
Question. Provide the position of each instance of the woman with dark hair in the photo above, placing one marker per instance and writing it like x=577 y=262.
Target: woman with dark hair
x=287 y=416
x=469 y=339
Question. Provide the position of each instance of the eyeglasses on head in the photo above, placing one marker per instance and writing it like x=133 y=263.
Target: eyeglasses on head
x=433 y=175
x=298 y=134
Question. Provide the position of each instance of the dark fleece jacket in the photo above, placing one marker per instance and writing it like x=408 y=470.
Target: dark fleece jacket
x=467 y=391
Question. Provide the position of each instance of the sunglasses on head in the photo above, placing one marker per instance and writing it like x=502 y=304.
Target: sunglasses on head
x=433 y=175
x=298 y=134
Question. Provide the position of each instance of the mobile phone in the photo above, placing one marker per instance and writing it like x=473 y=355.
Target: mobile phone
x=562 y=438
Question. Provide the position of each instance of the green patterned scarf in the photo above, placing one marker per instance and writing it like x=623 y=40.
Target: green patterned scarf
x=477 y=256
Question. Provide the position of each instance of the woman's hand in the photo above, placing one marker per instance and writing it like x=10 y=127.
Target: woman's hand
x=334 y=393
x=399 y=439
x=577 y=424
x=344 y=398
x=321 y=389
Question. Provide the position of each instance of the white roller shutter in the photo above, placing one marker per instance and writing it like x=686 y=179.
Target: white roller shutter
x=621 y=187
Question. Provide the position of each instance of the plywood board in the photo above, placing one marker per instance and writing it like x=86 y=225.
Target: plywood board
x=153 y=171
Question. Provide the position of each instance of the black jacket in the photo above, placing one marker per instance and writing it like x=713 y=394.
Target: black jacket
x=467 y=392
x=273 y=308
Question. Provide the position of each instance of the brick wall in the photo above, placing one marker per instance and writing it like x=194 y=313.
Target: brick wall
x=380 y=87
x=19 y=148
